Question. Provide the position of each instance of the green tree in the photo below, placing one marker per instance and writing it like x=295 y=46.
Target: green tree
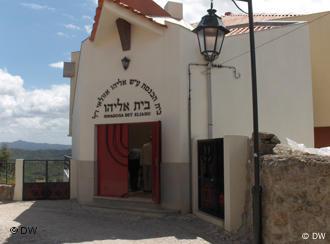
x=4 y=153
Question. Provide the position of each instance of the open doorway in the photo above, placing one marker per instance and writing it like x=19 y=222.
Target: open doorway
x=140 y=161
x=128 y=159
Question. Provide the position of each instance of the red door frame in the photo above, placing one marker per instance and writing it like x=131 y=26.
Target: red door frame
x=115 y=155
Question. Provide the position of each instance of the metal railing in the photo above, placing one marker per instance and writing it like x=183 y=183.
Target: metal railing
x=7 y=172
x=42 y=171
x=46 y=179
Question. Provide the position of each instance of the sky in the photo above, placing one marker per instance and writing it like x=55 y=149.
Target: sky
x=38 y=35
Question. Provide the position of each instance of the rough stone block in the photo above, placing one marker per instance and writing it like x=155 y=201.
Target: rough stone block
x=6 y=192
x=296 y=196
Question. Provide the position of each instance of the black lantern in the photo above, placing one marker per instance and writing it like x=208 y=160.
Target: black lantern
x=211 y=34
x=125 y=62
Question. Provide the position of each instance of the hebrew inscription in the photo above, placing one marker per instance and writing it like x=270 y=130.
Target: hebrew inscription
x=123 y=107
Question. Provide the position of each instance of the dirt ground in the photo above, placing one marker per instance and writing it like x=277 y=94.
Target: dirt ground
x=69 y=222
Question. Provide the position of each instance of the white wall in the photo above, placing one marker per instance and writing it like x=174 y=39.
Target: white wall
x=236 y=156
x=160 y=58
x=18 y=190
x=73 y=83
x=284 y=88
x=154 y=61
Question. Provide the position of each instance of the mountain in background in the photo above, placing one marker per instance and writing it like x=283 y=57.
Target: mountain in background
x=33 y=146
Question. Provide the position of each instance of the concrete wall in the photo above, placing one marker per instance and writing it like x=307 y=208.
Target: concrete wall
x=85 y=181
x=320 y=51
x=236 y=156
x=175 y=187
x=73 y=84
x=18 y=191
x=73 y=179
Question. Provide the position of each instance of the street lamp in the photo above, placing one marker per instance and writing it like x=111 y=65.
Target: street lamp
x=211 y=33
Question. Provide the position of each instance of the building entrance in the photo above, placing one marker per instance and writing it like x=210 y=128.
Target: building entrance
x=128 y=158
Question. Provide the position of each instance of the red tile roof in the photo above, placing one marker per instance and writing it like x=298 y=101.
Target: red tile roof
x=236 y=19
x=245 y=29
x=238 y=23
x=144 y=8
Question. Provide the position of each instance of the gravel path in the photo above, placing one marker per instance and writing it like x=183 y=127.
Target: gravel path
x=68 y=222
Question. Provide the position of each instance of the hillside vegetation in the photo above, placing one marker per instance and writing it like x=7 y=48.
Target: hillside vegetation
x=38 y=154
x=26 y=145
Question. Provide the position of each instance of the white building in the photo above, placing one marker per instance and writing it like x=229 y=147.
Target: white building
x=114 y=109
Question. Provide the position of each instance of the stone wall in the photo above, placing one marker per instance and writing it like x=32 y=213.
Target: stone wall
x=6 y=192
x=296 y=197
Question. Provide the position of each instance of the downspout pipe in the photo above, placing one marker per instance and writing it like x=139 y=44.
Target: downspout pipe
x=209 y=101
x=190 y=133
x=209 y=66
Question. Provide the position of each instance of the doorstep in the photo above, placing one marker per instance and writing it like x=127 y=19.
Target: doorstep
x=132 y=204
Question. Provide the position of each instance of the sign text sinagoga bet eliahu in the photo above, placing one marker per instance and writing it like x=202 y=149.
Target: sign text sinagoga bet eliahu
x=114 y=106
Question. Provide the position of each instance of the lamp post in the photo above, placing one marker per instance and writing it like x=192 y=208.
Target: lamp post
x=211 y=34
x=257 y=189
x=209 y=25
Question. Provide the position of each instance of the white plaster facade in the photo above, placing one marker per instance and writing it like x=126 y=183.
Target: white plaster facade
x=284 y=87
x=160 y=57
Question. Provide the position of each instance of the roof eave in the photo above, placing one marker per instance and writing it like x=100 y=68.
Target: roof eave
x=117 y=7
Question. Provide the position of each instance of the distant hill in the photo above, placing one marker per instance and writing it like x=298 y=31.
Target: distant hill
x=39 y=154
x=33 y=146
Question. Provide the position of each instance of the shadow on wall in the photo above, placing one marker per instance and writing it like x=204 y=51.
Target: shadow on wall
x=67 y=221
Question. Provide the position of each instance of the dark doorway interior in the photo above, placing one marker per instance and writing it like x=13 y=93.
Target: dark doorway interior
x=140 y=161
x=211 y=177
